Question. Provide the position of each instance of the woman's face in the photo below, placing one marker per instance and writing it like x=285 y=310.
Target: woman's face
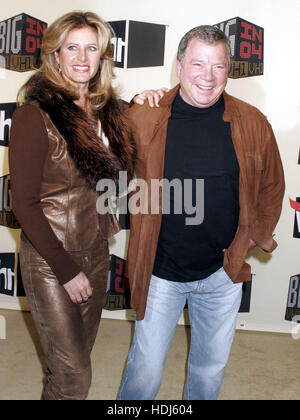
x=79 y=57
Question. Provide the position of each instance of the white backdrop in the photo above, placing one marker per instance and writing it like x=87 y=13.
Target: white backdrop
x=276 y=94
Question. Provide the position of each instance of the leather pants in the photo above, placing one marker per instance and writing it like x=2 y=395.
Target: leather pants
x=67 y=330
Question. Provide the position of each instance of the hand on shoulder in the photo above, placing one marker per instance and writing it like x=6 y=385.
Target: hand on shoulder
x=150 y=95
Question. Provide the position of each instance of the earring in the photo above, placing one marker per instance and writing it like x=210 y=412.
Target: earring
x=58 y=68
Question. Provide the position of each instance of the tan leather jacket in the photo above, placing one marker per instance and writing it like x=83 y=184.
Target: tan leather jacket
x=261 y=189
x=67 y=202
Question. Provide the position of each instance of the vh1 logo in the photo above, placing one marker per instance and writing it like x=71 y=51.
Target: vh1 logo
x=7 y=218
x=118 y=293
x=293 y=303
x=247 y=47
x=7 y=274
x=295 y=205
x=6 y=111
x=20 y=42
x=11 y=283
x=142 y=43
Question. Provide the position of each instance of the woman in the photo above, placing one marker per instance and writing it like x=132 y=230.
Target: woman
x=69 y=133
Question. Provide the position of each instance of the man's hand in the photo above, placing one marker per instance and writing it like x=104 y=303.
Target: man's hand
x=153 y=97
x=79 y=288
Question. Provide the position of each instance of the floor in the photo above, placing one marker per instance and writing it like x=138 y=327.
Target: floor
x=261 y=366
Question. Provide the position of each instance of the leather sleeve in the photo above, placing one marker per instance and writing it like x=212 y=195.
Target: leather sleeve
x=271 y=192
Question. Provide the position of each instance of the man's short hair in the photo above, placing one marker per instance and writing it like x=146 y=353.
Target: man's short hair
x=206 y=33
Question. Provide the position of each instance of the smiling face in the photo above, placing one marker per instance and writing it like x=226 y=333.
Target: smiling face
x=203 y=73
x=79 y=57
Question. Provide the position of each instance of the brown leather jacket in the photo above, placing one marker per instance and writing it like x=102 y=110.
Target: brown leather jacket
x=54 y=205
x=261 y=189
x=67 y=202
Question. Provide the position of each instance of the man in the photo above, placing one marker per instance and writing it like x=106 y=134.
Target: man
x=198 y=132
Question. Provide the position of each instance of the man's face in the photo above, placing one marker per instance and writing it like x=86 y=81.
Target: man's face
x=203 y=73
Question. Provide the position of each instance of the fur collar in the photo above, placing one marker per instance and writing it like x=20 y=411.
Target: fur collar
x=94 y=160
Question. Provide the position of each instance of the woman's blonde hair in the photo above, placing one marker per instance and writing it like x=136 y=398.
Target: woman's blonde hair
x=100 y=87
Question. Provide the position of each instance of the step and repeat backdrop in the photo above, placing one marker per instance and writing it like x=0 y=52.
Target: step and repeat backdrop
x=145 y=44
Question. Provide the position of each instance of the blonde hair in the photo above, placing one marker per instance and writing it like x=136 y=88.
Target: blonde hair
x=100 y=87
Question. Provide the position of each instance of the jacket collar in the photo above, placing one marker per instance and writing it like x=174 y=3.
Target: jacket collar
x=169 y=97
x=230 y=106
x=93 y=159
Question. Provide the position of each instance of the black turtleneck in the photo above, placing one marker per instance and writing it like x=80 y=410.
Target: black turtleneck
x=199 y=146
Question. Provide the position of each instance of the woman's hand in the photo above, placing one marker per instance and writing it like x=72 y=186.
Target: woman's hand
x=252 y=244
x=153 y=96
x=79 y=288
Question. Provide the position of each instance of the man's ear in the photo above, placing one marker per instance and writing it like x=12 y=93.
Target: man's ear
x=178 y=68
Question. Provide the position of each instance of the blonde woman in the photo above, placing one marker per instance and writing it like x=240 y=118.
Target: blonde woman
x=57 y=155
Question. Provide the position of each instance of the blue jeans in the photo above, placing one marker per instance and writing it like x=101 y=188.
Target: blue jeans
x=213 y=305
